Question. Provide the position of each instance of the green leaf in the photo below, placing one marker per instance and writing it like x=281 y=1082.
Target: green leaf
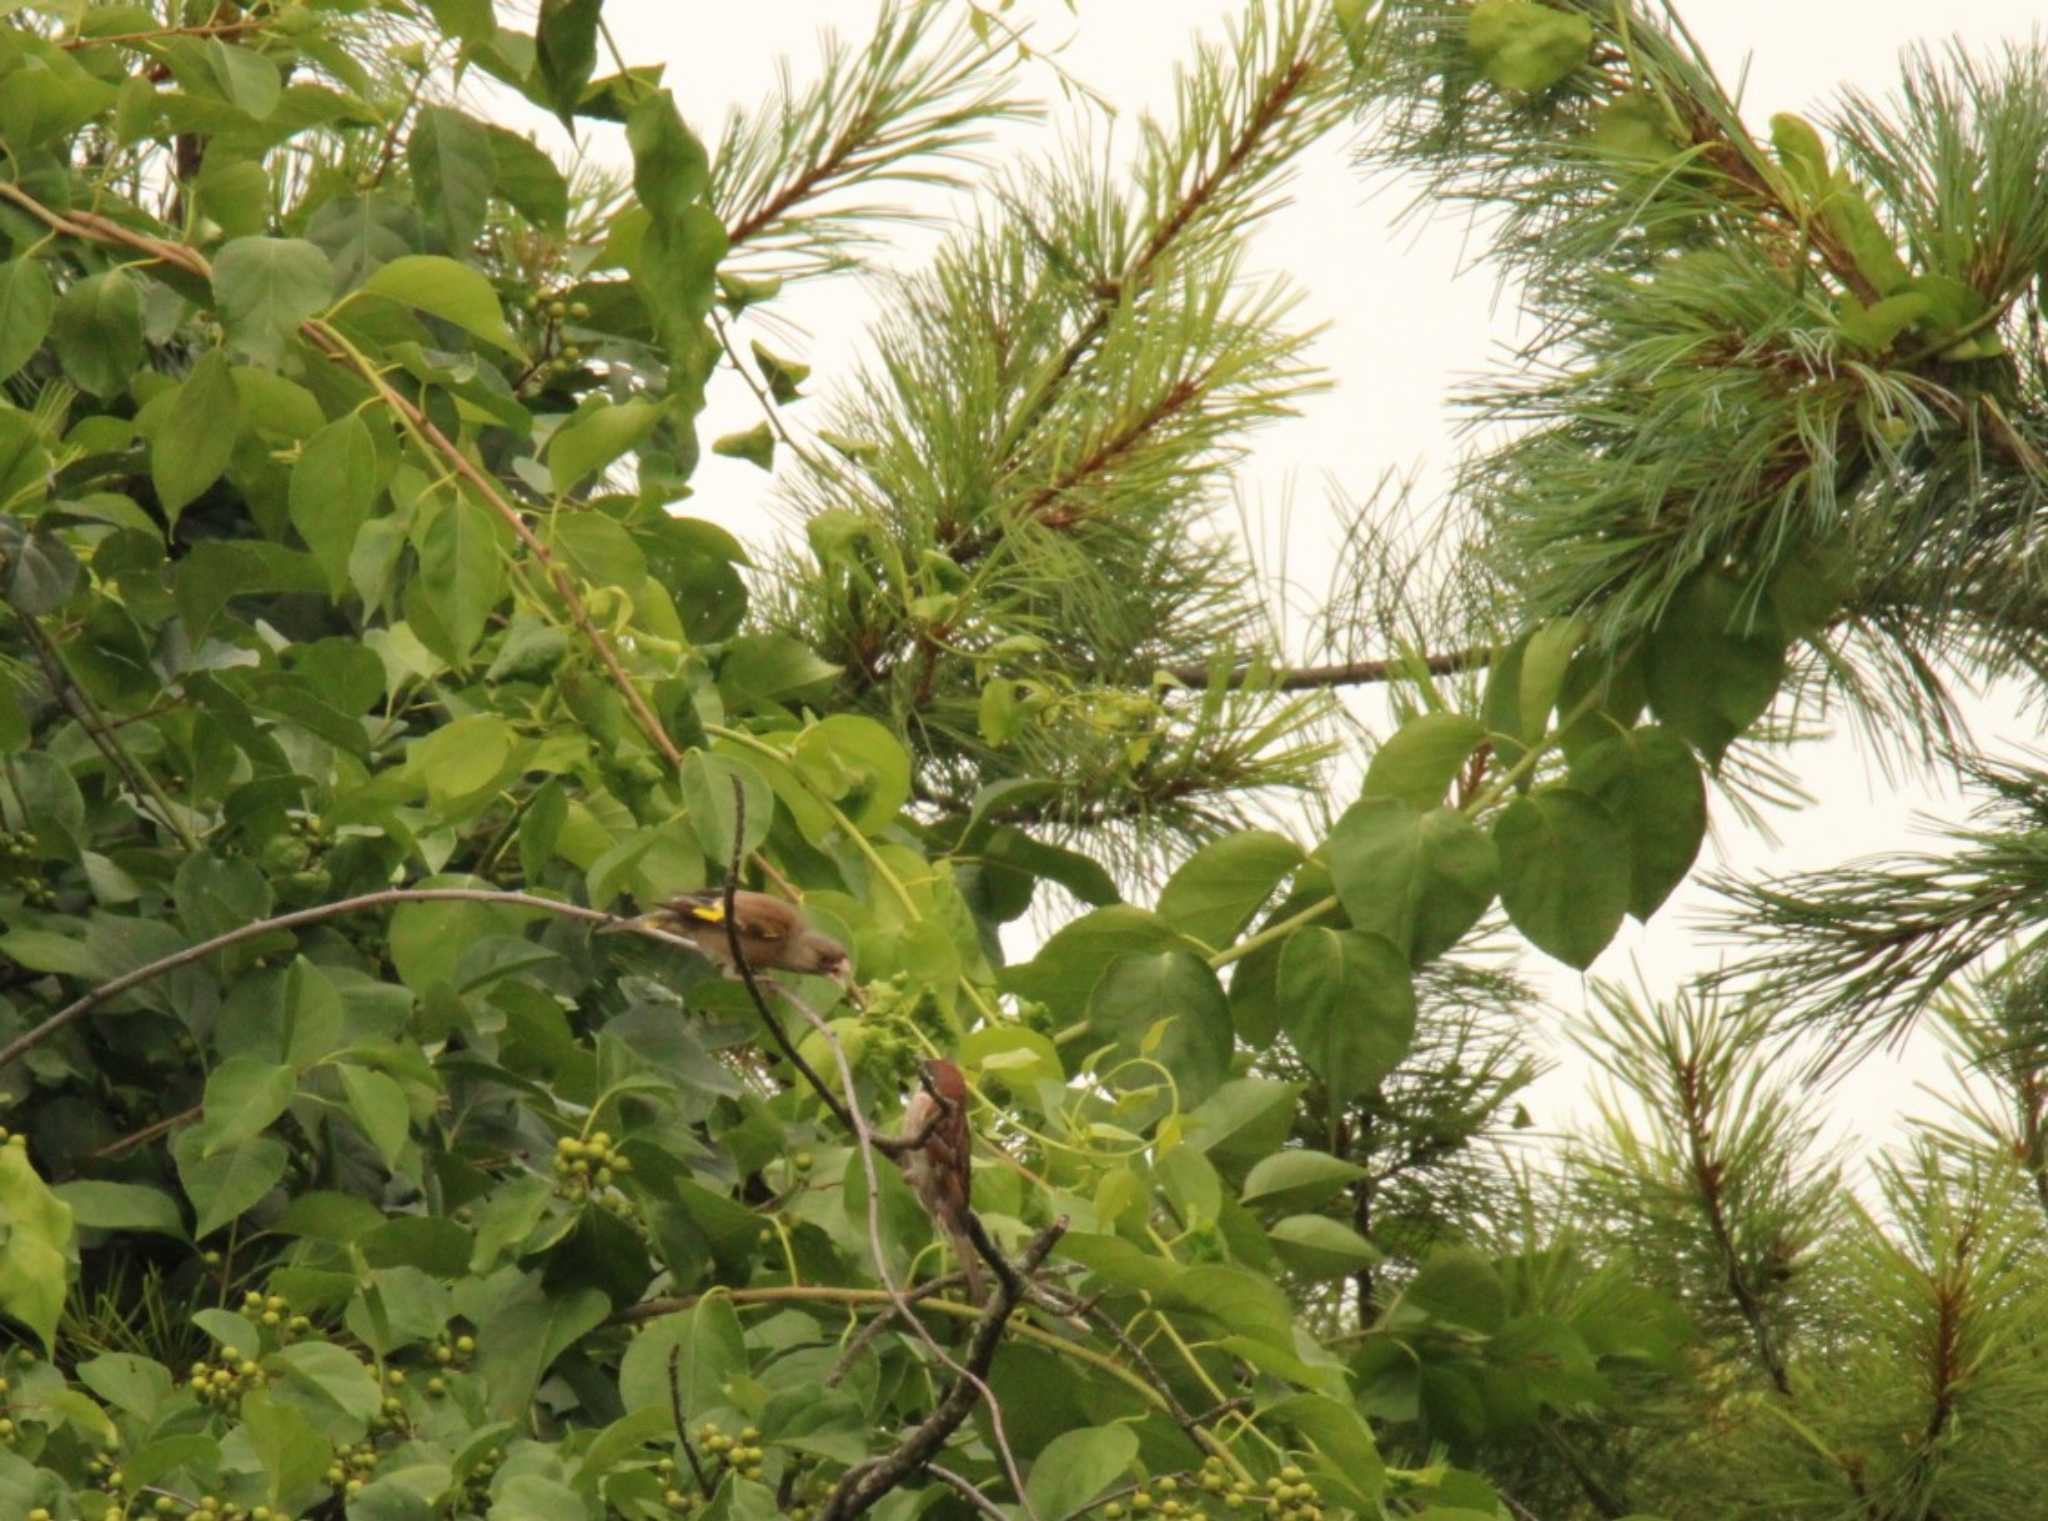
x=462 y=574
x=1066 y=968
x=137 y=1386
x=448 y=290
x=195 y=442
x=216 y=894
x=1247 y=1118
x=1714 y=664
x=247 y=78
x=708 y=1350
x=428 y=939
x=243 y=1095
x=333 y=491
x=379 y=1107
x=1458 y=1284
x=600 y=549
x=27 y=302
x=37 y=1249
x=460 y=758
x=1420 y=759
x=1319 y=1247
x=783 y=375
x=123 y=1207
x=1166 y=1006
x=1298 y=1179
x=266 y=287
x=1648 y=780
x=1348 y=1002
x=1803 y=153
x=1215 y=892
x=771 y=667
x=706 y=781
x=1566 y=872
x=756 y=446
x=1545 y=659
x=97 y=331
x=1012 y=848
x=292 y=1453
x=1420 y=879
x=1077 y=1466
x=596 y=436
x=328 y=1385
x=859 y=764
x=42 y=573
x=528 y=179
x=453 y=165
x=1526 y=47
x=565 y=53
x=222 y=1187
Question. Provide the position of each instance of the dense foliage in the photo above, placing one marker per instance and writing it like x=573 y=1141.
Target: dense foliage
x=361 y=656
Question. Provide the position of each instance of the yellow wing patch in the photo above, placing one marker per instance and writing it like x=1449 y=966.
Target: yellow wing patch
x=708 y=913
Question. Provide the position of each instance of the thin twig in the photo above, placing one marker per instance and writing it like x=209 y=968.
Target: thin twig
x=967 y=1492
x=1348 y=673
x=22 y=1044
x=145 y=1135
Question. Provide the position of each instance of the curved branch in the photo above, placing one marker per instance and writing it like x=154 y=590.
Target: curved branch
x=28 y=1040
x=1346 y=674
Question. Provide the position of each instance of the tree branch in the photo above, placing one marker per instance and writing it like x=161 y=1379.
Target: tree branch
x=1346 y=674
x=868 y=1482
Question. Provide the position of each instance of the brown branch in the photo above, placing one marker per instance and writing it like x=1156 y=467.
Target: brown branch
x=145 y=1135
x=133 y=39
x=1346 y=674
x=22 y=1044
x=868 y=1482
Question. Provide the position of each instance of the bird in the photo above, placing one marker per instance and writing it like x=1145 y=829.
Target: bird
x=937 y=1164
x=774 y=935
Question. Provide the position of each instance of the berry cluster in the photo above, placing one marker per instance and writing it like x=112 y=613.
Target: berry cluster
x=352 y=1468
x=224 y=1383
x=273 y=1312
x=20 y=862
x=582 y=1166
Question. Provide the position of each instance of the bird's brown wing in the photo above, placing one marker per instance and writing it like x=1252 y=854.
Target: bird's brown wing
x=709 y=908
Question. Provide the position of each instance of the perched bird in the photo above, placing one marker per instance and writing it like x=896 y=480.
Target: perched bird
x=774 y=935
x=938 y=1170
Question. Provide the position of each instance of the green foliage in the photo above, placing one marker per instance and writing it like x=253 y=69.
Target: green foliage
x=359 y=664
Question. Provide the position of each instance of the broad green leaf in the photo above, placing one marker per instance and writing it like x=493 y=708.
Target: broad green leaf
x=41 y=571
x=333 y=491
x=1076 y=1467
x=1348 y=1002
x=706 y=781
x=707 y=1349
x=1167 y=1007
x=1545 y=658
x=462 y=574
x=1422 y=758
x=223 y=1186
x=1459 y=1285
x=1803 y=153
x=1565 y=872
x=1649 y=781
x=448 y=290
x=461 y=757
x=1714 y=665
x=24 y=460
x=1011 y=849
x=528 y=179
x=596 y=436
x=27 y=303
x=771 y=668
x=97 y=330
x=328 y=1385
x=565 y=52
x=1215 y=892
x=598 y=548
x=1420 y=879
x=379 y=1107
x=197 y=439
x=246 y=77
x=453 y=165
x=1318 y=1247
x=266 y=287
x=1339 y=1433
x=135 y=1385
x=292 y=1453
x=37 y=1249
x=859 y=764
x=123 y=1207
x=243 y=1095
x=1245 y=1119
x=428 y=939
x=1298 y=1179
x=1066 y=968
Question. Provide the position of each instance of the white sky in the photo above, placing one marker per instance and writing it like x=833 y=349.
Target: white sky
x=1403 y=329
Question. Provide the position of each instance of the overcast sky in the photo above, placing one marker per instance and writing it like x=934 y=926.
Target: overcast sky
x=1403 y=329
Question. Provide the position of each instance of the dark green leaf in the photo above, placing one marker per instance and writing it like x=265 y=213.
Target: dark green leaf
x=1215 y=892
x=1347 y=1001
x=266 y=287
x=1166 y=1007
x=27 y=302
x=1648 y=780
x=1565 y=871
x=454 y=163
x=195 y=441
x=1420 y=879
x=1420 y=760
x=97 y=330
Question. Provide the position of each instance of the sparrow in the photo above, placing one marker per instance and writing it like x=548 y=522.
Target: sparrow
x=938 y=1170
x=774 y=936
